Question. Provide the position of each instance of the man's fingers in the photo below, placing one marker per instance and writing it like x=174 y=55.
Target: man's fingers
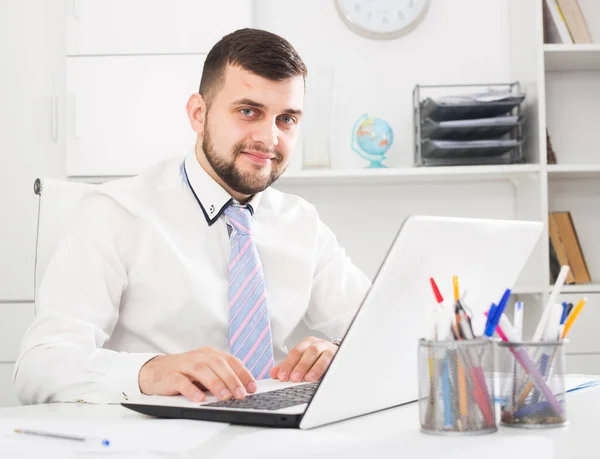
x=204 y=374
x=286 y=367
x=310 y=356
x=185 y=387
x=223 y=369
x=274 y=371
x=243 y=373
x=320 y=366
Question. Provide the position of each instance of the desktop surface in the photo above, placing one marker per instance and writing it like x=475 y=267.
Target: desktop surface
x=390 y=433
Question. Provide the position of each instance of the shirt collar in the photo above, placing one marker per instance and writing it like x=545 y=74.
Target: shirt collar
x=212 y=197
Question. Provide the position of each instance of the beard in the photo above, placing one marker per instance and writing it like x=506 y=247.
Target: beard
x=244 y=182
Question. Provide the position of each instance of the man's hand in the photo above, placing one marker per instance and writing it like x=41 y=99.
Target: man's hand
x=307 y=361
x=192 y=372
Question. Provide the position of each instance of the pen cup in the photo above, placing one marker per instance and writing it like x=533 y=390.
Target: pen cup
x=456 y=390
x=532 y=384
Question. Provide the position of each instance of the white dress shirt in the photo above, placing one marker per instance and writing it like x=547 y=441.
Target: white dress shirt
x=144 y=271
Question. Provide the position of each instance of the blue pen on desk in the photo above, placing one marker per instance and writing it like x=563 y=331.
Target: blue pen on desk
x=98 y=441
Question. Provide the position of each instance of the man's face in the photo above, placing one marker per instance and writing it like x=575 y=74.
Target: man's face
x=251 y=128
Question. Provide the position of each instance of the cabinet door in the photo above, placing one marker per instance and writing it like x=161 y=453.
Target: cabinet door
x=31 y=133
x=151 y=26
x=15 y=319
x=128 y=112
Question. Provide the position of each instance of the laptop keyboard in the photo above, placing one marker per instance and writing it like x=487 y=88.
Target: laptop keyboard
x=273 y=400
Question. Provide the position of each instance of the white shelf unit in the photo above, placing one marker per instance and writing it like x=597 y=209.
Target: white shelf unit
x=566 y=82
x=383 y=176
x=564 y=58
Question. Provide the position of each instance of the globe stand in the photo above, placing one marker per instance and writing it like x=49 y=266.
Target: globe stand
x=376 y=165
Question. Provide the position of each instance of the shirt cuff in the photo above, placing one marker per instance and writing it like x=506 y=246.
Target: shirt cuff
x=127 y=374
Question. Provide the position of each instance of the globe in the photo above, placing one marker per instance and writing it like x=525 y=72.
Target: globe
x=371 y=139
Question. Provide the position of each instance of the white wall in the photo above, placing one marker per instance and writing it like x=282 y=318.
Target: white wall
x=458 y=41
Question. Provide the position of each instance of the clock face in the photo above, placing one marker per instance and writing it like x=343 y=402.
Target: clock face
x=382 y=19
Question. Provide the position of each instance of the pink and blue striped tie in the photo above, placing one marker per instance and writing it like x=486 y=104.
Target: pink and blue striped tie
x=249 y=326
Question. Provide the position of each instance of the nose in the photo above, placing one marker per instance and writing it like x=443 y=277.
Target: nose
x=266 y=133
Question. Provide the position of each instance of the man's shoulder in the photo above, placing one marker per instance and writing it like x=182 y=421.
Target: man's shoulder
x=281 y=203
x=128 y=194
x=165 y=174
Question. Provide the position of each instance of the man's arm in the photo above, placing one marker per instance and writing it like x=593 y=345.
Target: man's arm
x=338 y=287
x=61 y=355
x=62 y=359
x=337 y=292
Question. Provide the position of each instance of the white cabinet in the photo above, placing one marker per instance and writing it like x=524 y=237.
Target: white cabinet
x=152 y=26
x=8 y=397
x=128 y=112
x=32 y=129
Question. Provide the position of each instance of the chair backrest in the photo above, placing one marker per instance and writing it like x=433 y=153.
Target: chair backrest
x=57 y=202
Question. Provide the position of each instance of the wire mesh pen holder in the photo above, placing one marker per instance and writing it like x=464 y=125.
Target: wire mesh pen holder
x=456 y=390
x=532 y=384
x=493 y=133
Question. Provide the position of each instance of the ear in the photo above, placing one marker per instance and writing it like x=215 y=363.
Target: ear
x=196 y=111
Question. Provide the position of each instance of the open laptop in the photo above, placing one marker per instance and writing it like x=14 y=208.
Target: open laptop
x=376 y=365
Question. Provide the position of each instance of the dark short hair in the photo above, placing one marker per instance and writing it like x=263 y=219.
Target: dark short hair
x=263 y=53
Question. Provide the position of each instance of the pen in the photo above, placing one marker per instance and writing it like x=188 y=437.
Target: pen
x=519 y=319
x=569 y=310
x=572 y=317
x=100 y=441
x=455 y=285
x=489 y=330
x=447 y=395
x=495 y=314
x=560 y=281
x=565 y=313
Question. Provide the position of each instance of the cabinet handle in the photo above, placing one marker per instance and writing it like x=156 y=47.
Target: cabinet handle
x=54 y=119
x=76 y=9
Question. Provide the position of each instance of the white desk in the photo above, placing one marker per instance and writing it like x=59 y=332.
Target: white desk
x=390 y=433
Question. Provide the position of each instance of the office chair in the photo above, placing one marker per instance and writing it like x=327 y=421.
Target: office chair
x=57 y=202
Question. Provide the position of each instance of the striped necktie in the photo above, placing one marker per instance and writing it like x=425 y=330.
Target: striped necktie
x=249 y=326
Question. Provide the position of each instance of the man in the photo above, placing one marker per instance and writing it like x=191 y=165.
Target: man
x=191 y=276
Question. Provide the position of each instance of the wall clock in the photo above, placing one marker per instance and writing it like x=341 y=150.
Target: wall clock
x=382 y=19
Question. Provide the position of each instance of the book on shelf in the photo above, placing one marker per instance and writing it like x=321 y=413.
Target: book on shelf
x=558 y=254
x=550 y=153
x=555 y=27
x=566 y=249
x=575 y=21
